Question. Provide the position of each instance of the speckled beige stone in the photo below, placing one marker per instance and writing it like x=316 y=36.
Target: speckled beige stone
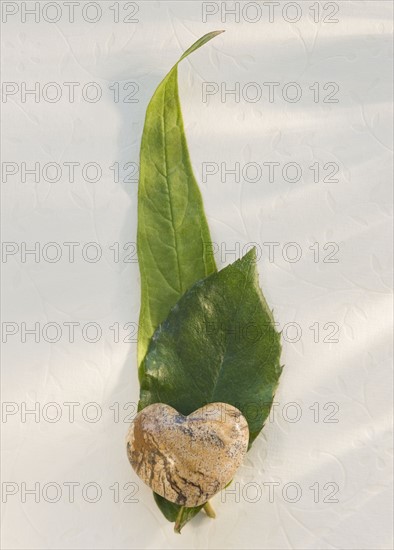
x=187 y=459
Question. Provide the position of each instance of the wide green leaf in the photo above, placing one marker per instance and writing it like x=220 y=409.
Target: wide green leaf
x=218 y=343
x=173 y=235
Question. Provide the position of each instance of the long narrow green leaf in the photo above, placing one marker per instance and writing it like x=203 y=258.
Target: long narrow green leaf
x=173 y=235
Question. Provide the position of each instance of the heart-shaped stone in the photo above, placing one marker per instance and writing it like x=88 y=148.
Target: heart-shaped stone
x=187 y=459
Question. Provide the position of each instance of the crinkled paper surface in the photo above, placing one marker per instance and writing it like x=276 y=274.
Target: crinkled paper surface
x=339 y=369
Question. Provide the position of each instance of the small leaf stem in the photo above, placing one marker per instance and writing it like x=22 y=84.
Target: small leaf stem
x=209 y=510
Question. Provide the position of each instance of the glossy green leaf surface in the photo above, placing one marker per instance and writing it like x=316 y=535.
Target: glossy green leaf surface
x=173 y=235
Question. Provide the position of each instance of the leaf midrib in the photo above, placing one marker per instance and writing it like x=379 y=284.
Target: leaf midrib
x=219 y=374
x=170 y=200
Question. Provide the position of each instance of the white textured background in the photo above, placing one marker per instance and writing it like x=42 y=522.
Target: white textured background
x=354 y=293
